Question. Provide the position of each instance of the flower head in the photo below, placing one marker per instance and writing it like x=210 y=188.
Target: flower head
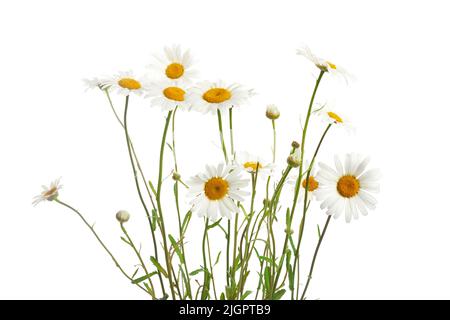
x=126 y=83
x=272 y=112
x=311 y=184
x=329 y=115
x=322 y=64
x=253 y=164
x=94 y=83
x=49 y=193
x=294 y=158
x=174 y=65
x=348 y=188
x=215 y=191
x=168 y=95
x=122 y=216
x=212 y=96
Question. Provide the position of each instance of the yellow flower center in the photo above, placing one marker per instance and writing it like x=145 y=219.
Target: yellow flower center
x=335 y=117
x=348 y=186
x=331 y=65
x=174 y=70
x=129 y=83
x=253 y=166
x=217 y=95
x=174 y=93
x=312 y=184
x=216 y=188
x=50 y=192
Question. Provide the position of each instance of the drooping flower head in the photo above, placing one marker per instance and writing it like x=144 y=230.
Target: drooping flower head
x=215 y=191
x=125 y=83
x=49 y=193
x=348 y=188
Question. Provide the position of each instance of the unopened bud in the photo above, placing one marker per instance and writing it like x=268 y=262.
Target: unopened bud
x=272 y=112
x=294 y=159
x=176 y=176
x=122 y=216
x=295 y=144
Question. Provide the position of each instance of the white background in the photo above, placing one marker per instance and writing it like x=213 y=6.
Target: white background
x=50 y=127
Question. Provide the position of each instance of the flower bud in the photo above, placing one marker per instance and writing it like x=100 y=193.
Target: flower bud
x=290 y=231
x=122 y=216
x=272 y=112
x=294 y=159
x=176 y=176
x=295 y=144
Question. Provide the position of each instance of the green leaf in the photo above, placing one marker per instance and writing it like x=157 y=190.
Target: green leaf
x=125 y=240
x=222 y=296
x=147 y=276
x=135 y=272
x=291 y=277
x=267 y=279
x=195 y=272
x=318 y=230
x=279 y=294
x=158 y=266
x=186 y=220
x=217 y=259
x=154 y=219
x=176 y=248
x=169 y=146
x=215 y=224
x=152 y=187
x=152 y=293
x=266 y=259
x=246 y=294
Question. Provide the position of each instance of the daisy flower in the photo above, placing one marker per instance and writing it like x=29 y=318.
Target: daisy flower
x=125 y=83
x=312 y=184
x=252 y=163
x=49 y=193
x=168 y=95
x=93 y=83
x=212 y=96
x=338 y=119
x=322 y=64
x=216 y=190
x=175 y=64
x=348 y=188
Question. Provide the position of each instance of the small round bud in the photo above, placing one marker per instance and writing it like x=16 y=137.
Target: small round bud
x=295 y=144
x=122 y=216
x=266 y=202
x=290 y=231
x=176 y=176
x=272 y=112
x=293 y=161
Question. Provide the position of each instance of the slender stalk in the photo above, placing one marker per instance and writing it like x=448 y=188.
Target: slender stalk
x=91 y=228
x=205 y=288
x=305 y=202
x=231 y=132
x=211 y=266
x=158 y=203
x=228 y=271
x=138 y=254
x=311 y=269
x=274 y=141
x=155 y=247
x=222 y=140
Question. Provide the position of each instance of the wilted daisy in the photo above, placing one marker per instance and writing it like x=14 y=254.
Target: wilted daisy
x=174 y=64
x=168 y=95
x=212 y=96
x=125 y=83
x=252 y=163
x=322 y=64
x=348 y=188
x=216 y=190
x=49 y=193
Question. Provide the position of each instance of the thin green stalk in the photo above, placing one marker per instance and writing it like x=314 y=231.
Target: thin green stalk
x=274 y=141
x=91 y=228
x=231 y=132
x=211 y=266
x=138 y=254
x=311 y=269
x=155 y=247
x=222 y=140
x=205 y=289
x=158 y=203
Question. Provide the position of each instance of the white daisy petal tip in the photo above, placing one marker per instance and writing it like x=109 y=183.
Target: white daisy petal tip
x=49 y=193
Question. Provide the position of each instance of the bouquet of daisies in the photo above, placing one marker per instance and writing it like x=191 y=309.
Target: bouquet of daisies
x=262 y=243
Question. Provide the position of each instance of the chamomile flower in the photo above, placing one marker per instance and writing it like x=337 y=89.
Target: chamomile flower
x=126 y=83
x=215 y=191
x=337 y=118
x=168 y=95
x=312 y=184
x=252 y=163
x=49 y=193
x=322 y=64
x=174 y=65
x=348 y=188
x=212 y=96
x=94 y=83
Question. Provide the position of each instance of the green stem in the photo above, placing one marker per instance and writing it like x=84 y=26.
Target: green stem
x=205 y=290
x=158 y=203
x=311 y=269
x=155 y=247
x=274 y=141
x=138 y=254
x=91 y=228
x=222 y=140
x=231 y=132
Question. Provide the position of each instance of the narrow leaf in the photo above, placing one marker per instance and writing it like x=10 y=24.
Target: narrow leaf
x=176 y=248
x=158 y=266
x=147 y=276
